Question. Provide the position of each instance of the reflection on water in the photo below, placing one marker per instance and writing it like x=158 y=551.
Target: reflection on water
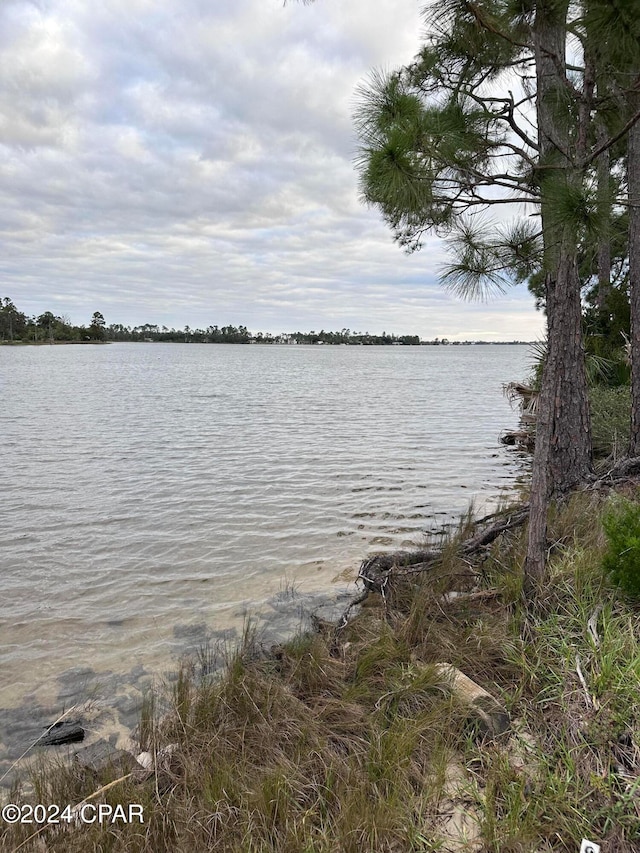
x=152 y=486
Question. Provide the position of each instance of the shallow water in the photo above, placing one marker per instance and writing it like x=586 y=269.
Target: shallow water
x=154 y=493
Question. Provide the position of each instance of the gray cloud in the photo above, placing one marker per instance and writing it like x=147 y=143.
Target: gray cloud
x=188 y=162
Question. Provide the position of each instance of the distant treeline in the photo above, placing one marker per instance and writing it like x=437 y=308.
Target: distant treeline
x=16 y=327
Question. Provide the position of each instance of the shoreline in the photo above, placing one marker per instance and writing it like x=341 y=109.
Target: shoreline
x=380 y=677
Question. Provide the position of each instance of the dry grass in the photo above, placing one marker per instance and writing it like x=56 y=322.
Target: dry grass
x=356 y=744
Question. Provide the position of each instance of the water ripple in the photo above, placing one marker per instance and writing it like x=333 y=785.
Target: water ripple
x=147 y=486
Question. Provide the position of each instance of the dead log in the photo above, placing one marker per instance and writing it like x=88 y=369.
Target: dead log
x=398 y=558
x=375 y=568
x=485 y=708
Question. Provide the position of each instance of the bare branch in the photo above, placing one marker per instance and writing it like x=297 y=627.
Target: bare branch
x=611 y=141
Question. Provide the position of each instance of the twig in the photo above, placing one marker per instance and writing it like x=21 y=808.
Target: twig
x=592 y=626
x=591 y=701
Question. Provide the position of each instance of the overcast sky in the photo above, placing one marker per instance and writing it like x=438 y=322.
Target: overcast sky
x=190 y=162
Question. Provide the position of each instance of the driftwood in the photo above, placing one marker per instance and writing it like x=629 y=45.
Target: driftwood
x=69 y=731
x=400 y=558
x=492 y=716
x=521 y=438
x=375 y=571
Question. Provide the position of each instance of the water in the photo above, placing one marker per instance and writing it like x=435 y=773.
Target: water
x=153 y=493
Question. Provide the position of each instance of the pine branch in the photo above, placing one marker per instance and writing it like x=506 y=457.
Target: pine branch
x=485 y=24
x=507 y=115
x=611 y=141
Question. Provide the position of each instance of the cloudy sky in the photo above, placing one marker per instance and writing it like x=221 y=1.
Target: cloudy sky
x=190 y=162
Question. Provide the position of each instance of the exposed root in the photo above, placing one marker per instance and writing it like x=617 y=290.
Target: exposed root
x=625 y=469
x=377 y=572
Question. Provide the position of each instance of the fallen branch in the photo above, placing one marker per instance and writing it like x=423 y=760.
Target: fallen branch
x=397 y=559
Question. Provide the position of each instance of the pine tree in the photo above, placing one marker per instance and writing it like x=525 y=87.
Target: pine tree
x=447 y=137
x=453 y=134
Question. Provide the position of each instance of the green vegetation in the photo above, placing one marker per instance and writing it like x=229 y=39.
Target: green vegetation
x=16 y=327
x=349 y=741
x=354 y=740
x=610 y=420
x=622 y=559
x=528 y=105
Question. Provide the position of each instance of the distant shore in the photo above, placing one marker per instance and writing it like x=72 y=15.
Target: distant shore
x=49 y=343
x=270 y=343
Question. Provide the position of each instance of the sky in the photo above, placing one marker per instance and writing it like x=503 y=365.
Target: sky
x=191 y=162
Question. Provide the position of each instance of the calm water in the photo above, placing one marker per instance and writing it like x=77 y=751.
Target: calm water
x=152 y=492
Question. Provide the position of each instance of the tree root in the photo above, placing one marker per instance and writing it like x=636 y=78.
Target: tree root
x=377 y=572
x=625 y=469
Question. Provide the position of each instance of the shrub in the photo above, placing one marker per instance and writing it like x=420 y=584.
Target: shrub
x=610 y=418
x=622 y=560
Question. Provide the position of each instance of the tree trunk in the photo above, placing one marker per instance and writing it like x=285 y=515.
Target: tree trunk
x=569 y=430
x=562 y=455
x=604 y=220
x=633 y=169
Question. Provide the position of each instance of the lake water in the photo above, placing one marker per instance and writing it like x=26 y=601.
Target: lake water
x=152 y=494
